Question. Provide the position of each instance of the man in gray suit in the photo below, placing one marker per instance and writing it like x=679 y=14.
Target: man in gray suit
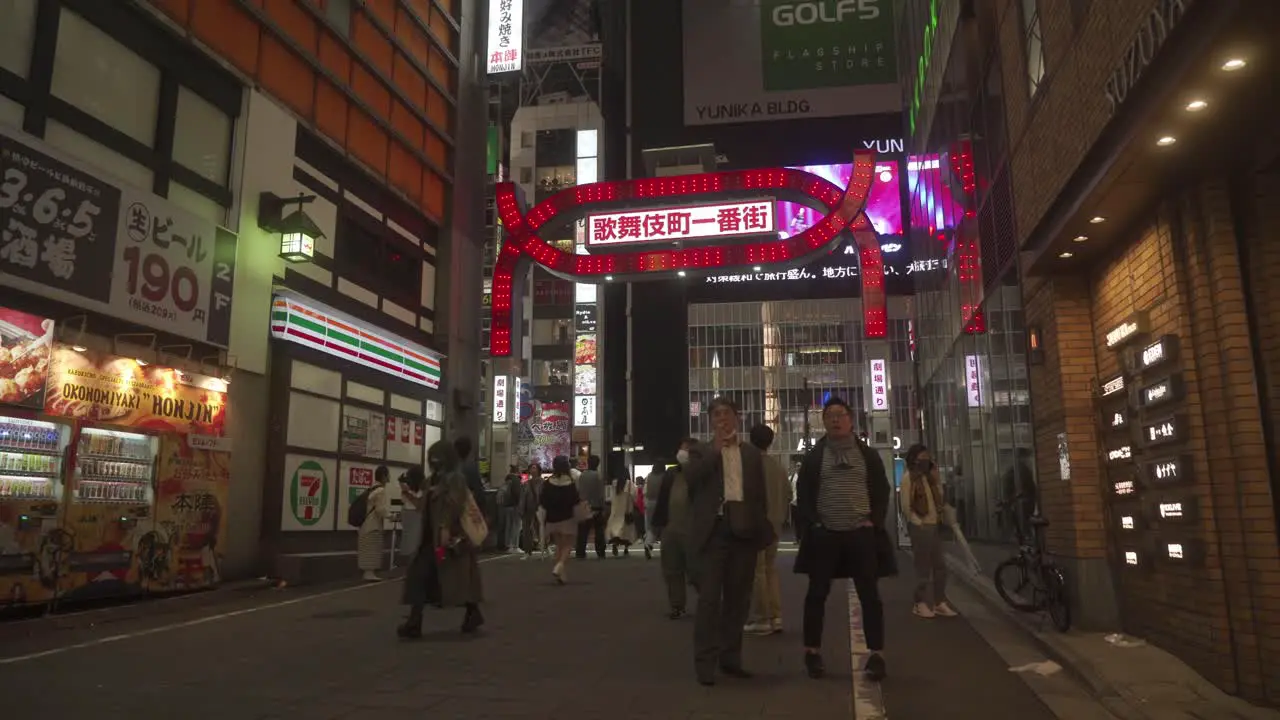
x=730 y=527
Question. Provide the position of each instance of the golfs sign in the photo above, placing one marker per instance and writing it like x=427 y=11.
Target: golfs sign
x=817 y=59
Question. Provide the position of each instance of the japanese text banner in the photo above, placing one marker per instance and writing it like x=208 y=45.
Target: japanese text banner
x=69 y=232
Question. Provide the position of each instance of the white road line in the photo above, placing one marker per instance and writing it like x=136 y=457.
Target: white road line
x=198 y=621
x=868 y=701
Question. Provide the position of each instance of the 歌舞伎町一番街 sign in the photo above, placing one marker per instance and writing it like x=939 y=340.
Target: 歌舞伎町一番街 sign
x=319 y=328
x=74 y=234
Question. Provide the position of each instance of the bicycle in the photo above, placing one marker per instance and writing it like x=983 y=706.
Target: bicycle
x=1030 y=570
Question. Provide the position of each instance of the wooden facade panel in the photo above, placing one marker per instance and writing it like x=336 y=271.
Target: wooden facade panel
x=230 y=31
x=331 y=111
x=444 y=31
x=369 y=40
x=296 y=22
x=433 y=194
x=436 y=150
x=297 y=77
x=410 y=81
x=366 y=141
x=179 y=10
x=405 y=171
x=335 y=58
x=371 y=90
x=288 y=77
x=407 y=124
x=441 y=70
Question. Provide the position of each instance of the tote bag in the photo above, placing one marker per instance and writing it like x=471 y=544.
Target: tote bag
x=473 y=524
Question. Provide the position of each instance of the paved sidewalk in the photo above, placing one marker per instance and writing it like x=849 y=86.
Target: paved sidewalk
x=1134 y=681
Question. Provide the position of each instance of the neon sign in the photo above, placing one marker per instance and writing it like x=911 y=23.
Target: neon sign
x=922 y=64
x=674 y=224
x=522 y=243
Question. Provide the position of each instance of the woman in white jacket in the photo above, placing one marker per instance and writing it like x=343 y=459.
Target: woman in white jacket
x=621 y=530
x=371 y=533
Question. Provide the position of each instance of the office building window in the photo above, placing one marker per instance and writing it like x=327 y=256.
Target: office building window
x=1034 y=43
x=338 y=12
x=556 y=147
x=17 y=33
x=104 y=78
x=202 y=137
x=96 y=154
x=10 y=112
x=369 y=255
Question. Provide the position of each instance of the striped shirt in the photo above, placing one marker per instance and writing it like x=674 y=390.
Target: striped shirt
x=843 y=499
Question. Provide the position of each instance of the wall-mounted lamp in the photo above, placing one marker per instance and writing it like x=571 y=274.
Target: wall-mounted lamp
x=298 y=232
x=1035 y=345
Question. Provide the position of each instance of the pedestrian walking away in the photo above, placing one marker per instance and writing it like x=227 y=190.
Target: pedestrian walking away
x=559 y=498
x=621 y=528
x=730 y=526
x=842 y=495
x=591 y=488
x=766 y=602
x=445 y=571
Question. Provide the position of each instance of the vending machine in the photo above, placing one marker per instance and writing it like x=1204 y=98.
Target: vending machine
x=111 y=503
x=33 y=549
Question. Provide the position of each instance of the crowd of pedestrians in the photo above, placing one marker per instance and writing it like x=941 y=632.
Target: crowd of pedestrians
x=717 y=513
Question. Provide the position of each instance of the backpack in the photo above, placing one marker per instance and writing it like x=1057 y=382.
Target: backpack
x=359 y=510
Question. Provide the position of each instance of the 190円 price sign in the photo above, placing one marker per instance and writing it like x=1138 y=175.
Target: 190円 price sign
x=57 y=224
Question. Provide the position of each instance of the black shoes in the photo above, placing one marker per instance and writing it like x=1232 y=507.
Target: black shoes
x=409 y=631
x=472 y=621
x=875 y=669
x=676 y=613
x=814 y=666
x=648 y=553
x=736 y=671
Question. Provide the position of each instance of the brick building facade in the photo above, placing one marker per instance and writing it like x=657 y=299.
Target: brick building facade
x=1142 y=176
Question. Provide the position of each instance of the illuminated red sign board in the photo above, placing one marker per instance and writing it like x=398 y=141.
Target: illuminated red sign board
x=844 y=208
x=675 y=224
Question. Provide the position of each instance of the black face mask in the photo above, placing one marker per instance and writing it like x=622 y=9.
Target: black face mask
x=924 y=466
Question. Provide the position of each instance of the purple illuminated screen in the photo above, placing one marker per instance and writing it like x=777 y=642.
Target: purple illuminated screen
x=884 y=202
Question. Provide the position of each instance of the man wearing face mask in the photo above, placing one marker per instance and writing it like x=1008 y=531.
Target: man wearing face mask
x=730 y=527
x=671 y=525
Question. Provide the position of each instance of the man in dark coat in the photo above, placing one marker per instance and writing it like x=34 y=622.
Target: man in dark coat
x=729 y=527
x=842 y=497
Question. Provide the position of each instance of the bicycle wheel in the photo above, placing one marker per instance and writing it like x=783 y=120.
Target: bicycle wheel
x=1056 y=601
x=1012 y=581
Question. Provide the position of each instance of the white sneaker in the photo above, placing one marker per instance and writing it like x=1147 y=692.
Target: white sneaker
x=923 y=610
x=775 y=625
x=944 y=610
x=758 y=628
x=372 y=577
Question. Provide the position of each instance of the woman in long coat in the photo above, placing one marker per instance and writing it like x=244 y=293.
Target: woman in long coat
x=445 y=571
x=621 y=529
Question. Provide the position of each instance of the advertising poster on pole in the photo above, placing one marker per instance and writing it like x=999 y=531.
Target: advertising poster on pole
x=183 y=550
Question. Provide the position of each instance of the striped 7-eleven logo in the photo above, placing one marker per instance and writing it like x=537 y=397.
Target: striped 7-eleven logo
x=309 y=492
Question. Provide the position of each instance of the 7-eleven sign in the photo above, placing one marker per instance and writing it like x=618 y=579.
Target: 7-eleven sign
x=309 y=492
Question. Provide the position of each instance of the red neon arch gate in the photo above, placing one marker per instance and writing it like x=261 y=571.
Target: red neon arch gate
x=844 y=212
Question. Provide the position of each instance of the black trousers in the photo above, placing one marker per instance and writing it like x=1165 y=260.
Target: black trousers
x=596 y=523
x=726 y=572
x=829 y=552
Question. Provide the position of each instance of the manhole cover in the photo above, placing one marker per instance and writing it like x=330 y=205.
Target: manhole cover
x=342 y=614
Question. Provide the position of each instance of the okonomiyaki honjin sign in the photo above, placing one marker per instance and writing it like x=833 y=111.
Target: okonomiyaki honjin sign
x=321 y=328
x=70 y=233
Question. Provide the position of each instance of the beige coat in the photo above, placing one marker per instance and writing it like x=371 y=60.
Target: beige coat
x=778 y=492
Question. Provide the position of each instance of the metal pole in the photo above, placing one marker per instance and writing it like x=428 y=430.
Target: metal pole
x=630 y=438
x=808 y=404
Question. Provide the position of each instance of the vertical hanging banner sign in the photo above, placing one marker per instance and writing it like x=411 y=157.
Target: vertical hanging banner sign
x=506 y=36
